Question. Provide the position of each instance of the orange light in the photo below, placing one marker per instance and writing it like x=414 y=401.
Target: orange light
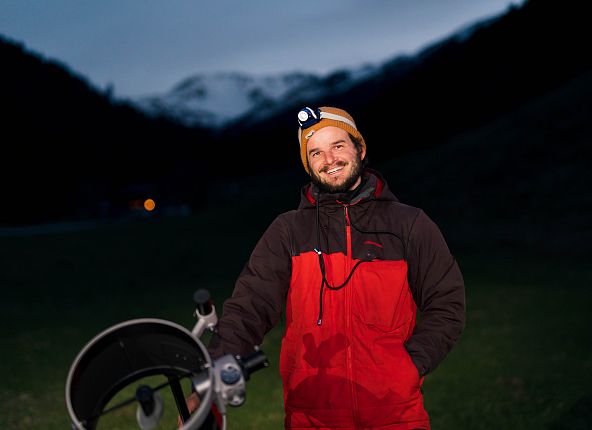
x=149 y=205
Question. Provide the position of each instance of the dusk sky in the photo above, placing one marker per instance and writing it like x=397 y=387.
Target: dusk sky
x=146 y=47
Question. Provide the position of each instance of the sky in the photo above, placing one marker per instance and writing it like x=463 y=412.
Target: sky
x=145 y=47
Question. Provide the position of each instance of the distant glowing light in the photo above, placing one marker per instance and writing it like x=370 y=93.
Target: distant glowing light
x=149 y=205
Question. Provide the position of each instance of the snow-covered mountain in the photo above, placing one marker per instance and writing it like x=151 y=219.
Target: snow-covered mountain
x=215 y=100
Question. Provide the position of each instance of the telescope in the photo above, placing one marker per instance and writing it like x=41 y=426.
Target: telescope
x=117 y=361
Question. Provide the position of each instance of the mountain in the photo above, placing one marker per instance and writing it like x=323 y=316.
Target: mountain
x=216 y=100
x=220 y=100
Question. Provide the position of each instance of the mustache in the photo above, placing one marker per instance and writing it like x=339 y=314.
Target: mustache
x=336 y=164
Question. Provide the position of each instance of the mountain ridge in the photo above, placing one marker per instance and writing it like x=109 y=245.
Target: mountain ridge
x=223 y=99
x=218 y=99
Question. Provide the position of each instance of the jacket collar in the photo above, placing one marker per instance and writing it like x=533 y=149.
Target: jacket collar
x=373 y=187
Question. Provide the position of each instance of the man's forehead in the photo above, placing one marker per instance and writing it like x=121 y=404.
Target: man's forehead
x=328 y=144
x=328 y=135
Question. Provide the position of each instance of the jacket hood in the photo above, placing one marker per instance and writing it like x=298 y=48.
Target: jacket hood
x=373 y=187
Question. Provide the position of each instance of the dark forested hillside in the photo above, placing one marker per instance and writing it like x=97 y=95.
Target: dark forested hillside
x=69 y=150
x=521 y=181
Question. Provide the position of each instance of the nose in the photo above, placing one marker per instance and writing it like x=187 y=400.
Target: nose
x=329 y=158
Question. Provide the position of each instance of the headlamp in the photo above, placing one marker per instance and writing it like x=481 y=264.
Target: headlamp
x=308 y=117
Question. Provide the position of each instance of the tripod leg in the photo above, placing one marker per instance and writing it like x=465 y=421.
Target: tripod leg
x=177 y=391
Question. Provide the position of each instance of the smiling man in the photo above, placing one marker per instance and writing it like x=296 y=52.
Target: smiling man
x=335 y=160
x=351 y=268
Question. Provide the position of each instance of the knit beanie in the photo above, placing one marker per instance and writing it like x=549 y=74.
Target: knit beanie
x=313 y=119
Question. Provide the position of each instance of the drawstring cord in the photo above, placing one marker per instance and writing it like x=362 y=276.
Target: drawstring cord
x=325 y=282
x=322 y=261
x=322 y=267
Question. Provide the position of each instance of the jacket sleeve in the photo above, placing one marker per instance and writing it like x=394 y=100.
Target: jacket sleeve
x=438 y=290
x=259 y=295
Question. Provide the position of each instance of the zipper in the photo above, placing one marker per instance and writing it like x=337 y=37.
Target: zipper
x=347 y=232
x=348 y=317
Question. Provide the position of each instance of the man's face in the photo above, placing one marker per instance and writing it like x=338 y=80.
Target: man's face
x=334 y=161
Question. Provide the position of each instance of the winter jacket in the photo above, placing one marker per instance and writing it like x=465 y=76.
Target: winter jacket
x=352 y=355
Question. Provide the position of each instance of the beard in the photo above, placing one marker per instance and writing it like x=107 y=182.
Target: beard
x=348 y=182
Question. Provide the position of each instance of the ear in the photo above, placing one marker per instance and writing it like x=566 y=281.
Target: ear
x=363 y=153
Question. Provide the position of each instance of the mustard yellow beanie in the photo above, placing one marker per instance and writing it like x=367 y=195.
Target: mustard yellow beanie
x=313 y=119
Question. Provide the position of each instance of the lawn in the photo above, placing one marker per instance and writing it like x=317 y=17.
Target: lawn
x=523 y=362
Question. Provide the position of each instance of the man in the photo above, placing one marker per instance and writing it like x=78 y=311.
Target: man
x=350 y=267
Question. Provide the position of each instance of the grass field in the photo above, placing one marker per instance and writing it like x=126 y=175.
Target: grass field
x=523 y=362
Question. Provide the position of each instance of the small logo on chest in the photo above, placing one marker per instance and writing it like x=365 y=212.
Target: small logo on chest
x=369 y=242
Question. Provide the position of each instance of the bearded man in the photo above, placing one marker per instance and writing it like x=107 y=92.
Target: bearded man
x=351 y=268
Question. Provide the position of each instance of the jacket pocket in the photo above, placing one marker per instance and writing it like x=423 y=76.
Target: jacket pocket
x=382 y=298
x=413 y=371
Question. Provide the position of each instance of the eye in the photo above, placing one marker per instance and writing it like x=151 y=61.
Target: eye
x=315 y=154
